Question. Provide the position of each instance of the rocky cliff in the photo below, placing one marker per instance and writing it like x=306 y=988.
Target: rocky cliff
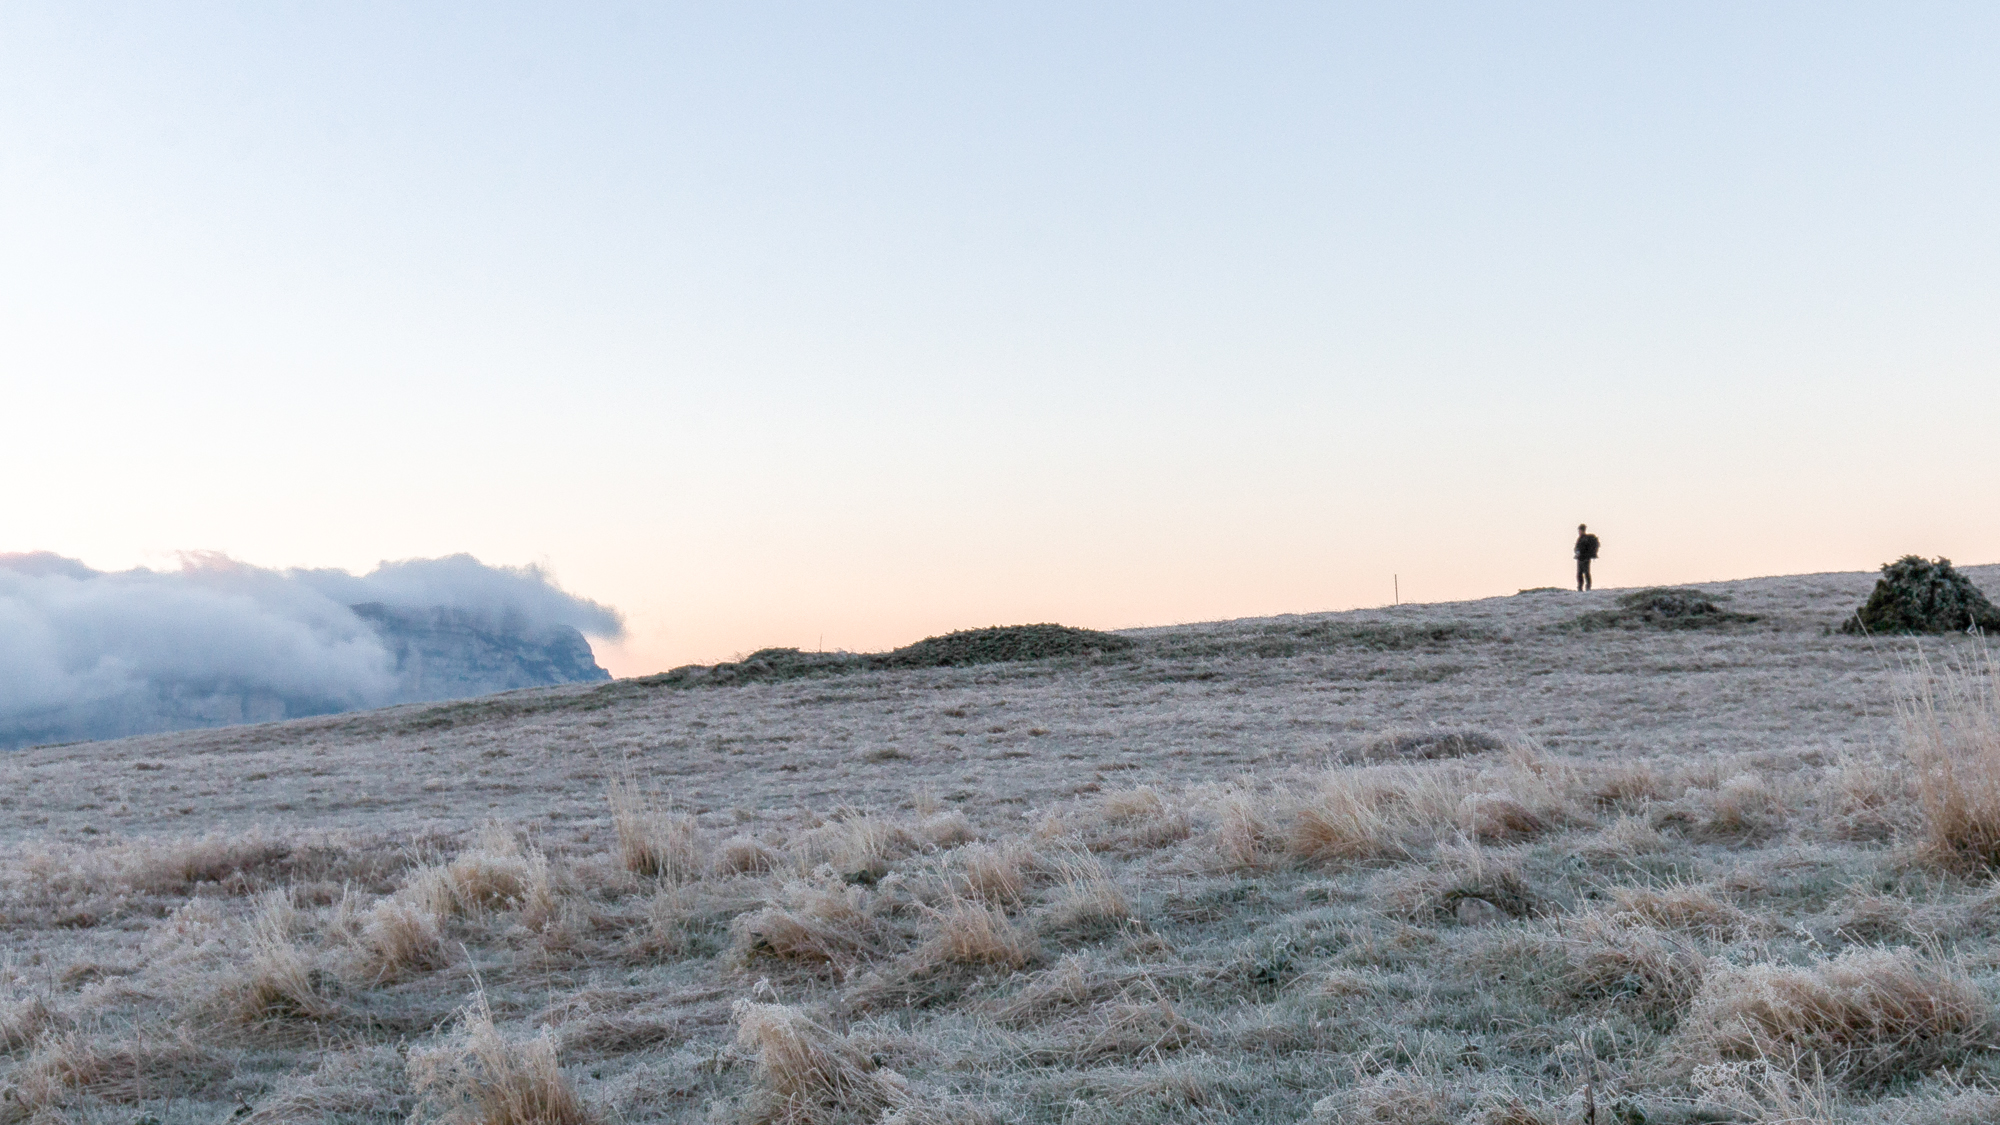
x=423 y=654
x=443 y=653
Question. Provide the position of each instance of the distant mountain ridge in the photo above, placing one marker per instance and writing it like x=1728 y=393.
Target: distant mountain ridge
x=434 y=653
x=447 y=653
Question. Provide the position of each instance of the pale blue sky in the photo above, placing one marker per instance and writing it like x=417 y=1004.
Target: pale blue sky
x=766 y=323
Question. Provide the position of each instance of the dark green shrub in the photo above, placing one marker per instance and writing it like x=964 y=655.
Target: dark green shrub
x=1004 y=643
x=766 y=664
x=1664 y=607
x=973 y=646
x=1916 y=595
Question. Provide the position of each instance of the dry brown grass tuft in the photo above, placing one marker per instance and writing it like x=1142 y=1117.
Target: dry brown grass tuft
x=947 y=829
x=1869 y=799
x=1745 y=806
x=670 y=926
x=1466 y=883
x=79 y=887
x=1139 y=819
x=365 y=1083
x=495 y=874
x=25 y=1021
x=1086 y=902
x=238 y=862
x=859 y=847
x=1951 y=732
x=1683 y=908
x=807 y=1074
x=652 y=842
x=964 y=939
x=134 y=1068
x=1624 y=839
x=280 y=982
x=1499 y=818
x=1557 y=777
x=745 y=855
x=1865 y=1018
x=867 y=845
x=1630 y=965
x=541 y=903
x=480 y=1077
x=813 y=923
x=997 y=873
x=1365 y=814
x=1071 y=984
x=397 y=939
x=1392 y=1097
x=973 y=933
x=1120 y=806
x=1244 y=833
x=1632 y=784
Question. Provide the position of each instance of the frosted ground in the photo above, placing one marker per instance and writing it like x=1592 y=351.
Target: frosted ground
x=1196 y=702
x=1680 y=875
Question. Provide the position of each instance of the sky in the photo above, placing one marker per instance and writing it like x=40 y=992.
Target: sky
x=840 y=325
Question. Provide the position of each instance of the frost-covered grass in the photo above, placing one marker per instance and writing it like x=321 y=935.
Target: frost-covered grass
x=1666 y=942
x=1588 y=911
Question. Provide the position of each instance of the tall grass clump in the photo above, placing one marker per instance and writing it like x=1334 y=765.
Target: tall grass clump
x=493 y=875
x=1632 y=965
x=280 y=982
x=1086 y=903
x=481 y=1077
x=73 y=1065
x=997 y=873
x=1866 y=1018
x=807 y=1075
x=397 y=939
x=23 y=1022
x=813 y=923
x=1244 y=833
x=745 y=855
x=1370 y=813
x=355 y=1084
x=1139 y=819
x=1950 y=720
x=1682 y=908
x=1348 y=819
x=652 y=842
x=972 y=933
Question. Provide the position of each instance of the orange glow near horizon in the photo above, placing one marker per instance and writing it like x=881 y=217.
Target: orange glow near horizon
x=852 y=326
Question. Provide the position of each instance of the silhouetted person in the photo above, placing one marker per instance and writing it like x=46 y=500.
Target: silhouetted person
x=1586 y=550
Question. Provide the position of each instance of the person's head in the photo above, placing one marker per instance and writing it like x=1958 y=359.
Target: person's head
x=1579 y=529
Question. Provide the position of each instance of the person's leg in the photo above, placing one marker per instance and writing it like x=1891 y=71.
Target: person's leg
x=1582 y=568
x=1586 y=573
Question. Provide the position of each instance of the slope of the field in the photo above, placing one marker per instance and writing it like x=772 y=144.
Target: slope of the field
x=1192 y=702
x=1469 y=864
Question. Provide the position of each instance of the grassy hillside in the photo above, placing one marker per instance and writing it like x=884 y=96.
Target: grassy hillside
x=1533 y=859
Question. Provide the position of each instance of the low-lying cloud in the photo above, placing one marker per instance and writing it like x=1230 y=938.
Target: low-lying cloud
x=90 y=654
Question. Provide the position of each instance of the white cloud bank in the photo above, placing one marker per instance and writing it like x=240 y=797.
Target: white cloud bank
x=89 y=654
